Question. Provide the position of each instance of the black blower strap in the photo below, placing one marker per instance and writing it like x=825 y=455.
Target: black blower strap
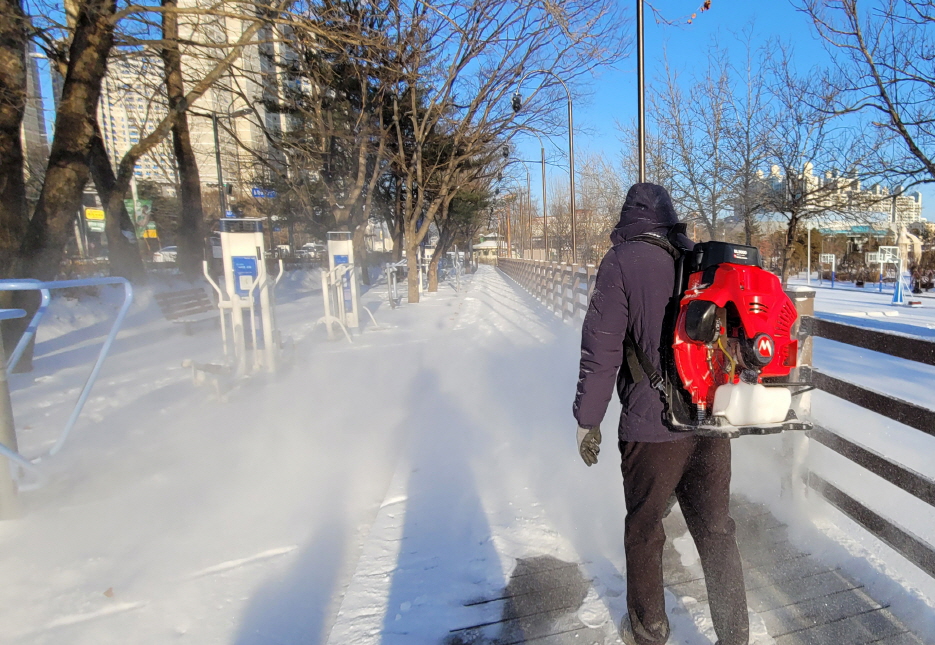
x=637 y=360
x=638 y=363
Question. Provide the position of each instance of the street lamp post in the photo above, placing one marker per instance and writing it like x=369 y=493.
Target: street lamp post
x=222 y=194
x=640 y=112
x=517 y=104
x=527 y=231
x=509 y=217
x=545 y=209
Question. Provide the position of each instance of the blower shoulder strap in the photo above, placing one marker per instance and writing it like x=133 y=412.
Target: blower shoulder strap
x=638 y=363
x=637 y=360
x=660 y=241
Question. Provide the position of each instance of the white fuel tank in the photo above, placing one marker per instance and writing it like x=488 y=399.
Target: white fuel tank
x=747 y=404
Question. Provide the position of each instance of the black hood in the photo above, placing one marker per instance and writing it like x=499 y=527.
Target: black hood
x=647 y=209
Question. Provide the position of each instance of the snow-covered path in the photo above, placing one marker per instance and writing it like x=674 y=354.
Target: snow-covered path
x=362 y=496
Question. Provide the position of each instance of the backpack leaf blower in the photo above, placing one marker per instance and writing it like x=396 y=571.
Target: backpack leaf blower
x=730 y=328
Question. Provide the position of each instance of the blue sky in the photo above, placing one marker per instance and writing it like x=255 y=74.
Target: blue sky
x=613 y=96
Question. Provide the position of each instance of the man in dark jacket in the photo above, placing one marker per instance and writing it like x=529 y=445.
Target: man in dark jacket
x=635 y=284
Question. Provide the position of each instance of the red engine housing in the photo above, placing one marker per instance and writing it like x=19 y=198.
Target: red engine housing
x=758 y=315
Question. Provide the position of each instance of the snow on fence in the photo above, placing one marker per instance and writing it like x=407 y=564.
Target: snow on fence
x=565 y=289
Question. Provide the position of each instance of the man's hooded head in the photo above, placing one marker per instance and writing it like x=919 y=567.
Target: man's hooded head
x=647 y=209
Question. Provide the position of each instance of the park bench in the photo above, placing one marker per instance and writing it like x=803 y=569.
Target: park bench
x=186 y=307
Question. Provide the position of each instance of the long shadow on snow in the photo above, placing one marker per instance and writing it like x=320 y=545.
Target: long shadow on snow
x=446 y=557
x=50 y=361
x=292 y=608
x=542 y=313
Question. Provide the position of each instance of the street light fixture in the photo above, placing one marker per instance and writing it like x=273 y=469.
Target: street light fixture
x=517 y=103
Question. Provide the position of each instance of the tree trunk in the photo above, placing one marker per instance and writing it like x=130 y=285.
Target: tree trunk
x=787 y=252
x=748 y=229
x=122 y=248
x=445 y=238
x=433 y=273
x=13 y=70
x=360 y=252
x=191 y=220
x=412 y=263
x=43 y=245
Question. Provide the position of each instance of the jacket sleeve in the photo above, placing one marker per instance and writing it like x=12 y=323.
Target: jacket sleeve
x=602 y=334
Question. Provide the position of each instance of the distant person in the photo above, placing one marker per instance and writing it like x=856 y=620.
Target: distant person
x=634 y=286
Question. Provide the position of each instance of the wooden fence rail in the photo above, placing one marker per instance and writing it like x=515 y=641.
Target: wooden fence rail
x=917 y=550
x=565 y=289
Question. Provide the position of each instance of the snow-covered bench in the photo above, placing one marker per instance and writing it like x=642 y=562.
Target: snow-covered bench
x=186 y=307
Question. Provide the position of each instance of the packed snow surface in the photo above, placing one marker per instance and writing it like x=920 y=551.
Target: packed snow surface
x=370 y=489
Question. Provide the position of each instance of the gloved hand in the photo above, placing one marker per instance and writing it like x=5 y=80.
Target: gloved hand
x=589 y=444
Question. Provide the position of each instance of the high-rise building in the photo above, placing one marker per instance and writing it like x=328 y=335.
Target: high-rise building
x=132 y=103
x=34 y=137
x=238 y=100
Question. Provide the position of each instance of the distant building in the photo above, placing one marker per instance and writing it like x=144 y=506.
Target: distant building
x=33 y=129
x=251 y=84
x=132 y=103
x=839 y=194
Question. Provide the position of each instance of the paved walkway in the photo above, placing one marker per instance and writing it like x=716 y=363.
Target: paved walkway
x=511 y=554
x=800 y=600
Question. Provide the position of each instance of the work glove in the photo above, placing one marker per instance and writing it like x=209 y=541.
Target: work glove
x=589 y=444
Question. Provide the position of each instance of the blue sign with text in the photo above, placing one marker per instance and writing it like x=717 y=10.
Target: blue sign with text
x=245 y=273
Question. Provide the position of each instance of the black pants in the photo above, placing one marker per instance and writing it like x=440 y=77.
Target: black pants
x=697 y=470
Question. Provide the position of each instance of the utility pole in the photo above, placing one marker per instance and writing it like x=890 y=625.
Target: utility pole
x=641 y=113
x=545 y=210
x=222 y=196
x=9 y=506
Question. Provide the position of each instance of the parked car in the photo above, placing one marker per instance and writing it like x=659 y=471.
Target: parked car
x=312 y=251
x=166 y=254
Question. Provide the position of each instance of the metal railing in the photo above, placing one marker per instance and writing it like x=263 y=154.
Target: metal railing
x=44 y=288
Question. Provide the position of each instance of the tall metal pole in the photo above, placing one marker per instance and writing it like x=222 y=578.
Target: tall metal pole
x=517 y=102
x=9 y=507
x=528 y=212
x=222 y=196
x=509 y=229
x=641 y=113
x=808 y=270
x=545 y=210
x=571 y=179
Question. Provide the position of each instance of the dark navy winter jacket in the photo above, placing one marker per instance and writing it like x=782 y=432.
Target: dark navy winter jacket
x=634 y=285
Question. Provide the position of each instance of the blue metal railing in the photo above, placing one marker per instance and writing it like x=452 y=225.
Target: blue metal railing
x=44 y=288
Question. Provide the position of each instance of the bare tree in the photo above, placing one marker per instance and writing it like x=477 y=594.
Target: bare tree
x=601 y=194
x=694 y=129
x=657 y=163
x=748 y=135
x=42 y=245
x=803 y=139
x=190 y=231
x=881 y=66
x=459 y=61
x=13 y=216
x=560 y=220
